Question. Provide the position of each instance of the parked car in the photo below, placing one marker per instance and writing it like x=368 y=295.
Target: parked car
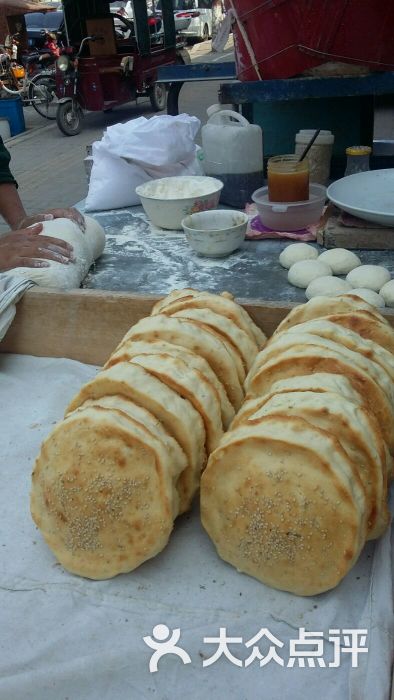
x=38 y=22
x=193 y=18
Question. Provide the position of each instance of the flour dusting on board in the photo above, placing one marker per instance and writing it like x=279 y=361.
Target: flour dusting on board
x=155 y=260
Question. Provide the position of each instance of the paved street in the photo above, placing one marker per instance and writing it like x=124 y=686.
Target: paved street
x=49 y=166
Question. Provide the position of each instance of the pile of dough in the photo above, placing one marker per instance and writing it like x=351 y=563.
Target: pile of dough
x=299 y=482
x=88 y=246
x=314 y=273
x=127 y=459
x=295 y=252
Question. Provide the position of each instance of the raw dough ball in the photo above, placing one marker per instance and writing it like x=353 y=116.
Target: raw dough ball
x=387 y=292
x=87 y=247
x=302 y=273
x=340 y=260
x=295 y=252
x=369 y=277
x=327 y=287
x=368 y=295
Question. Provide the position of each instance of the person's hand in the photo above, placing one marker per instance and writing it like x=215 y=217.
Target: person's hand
x=23 y=248
x=50 y=214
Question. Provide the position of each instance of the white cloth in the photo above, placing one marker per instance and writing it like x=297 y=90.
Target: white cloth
x=67 y=637
x=12 y=288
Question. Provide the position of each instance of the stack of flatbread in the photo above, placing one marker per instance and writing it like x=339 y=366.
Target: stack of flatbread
x=299 y=482
x=127 y=459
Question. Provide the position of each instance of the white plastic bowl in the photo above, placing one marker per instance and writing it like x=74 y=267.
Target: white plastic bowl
x=168 y=200
x=290 y=216
x=215 y=233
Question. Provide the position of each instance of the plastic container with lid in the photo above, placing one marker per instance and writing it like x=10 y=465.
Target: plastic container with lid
x=233 y=152
x=290 y=216
x=319 y=155
x=357 y=159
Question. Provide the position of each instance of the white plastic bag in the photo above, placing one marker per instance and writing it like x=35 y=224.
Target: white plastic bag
x=141 y=149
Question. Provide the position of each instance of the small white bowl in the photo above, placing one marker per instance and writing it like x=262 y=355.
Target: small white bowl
x=215 y=233
x=168 y=200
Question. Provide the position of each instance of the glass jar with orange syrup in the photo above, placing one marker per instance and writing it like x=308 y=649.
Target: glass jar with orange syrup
x=288 y=179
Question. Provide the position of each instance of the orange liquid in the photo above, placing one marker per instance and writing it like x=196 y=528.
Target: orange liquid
x=288 y=187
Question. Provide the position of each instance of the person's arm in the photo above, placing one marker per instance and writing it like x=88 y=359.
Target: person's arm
x=11 y=207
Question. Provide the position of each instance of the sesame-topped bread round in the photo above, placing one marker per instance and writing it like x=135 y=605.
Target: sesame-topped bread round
x=223 y=304
x=190 y=385
x=178 y=416
x=146 y=420
x=319 y=382
x=197 y=338
x=307 y=359
x=202 y=320
x=186 y=292
x=240 y=341
x=347 y=338
x=357 y=432
x=280 y=502
x=322 y=306
x=367 y=326
x=131 y=348
x=288 y=340
x=103 y=493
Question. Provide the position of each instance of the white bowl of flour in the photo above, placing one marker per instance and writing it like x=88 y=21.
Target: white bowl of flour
x=168 y=200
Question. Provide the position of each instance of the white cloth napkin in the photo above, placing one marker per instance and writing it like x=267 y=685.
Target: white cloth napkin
x=12 y=288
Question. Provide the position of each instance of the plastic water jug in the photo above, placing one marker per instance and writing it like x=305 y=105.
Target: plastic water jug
x=233 y=152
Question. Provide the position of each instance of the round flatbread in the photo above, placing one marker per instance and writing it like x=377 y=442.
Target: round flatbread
x=102 y=494
x=322 y=306
x=366 y=325
x=349 y=339
x=240 y=341
x=177 y=415
x=194 y=337
x=147 y=421
x=356 y=431
x=280 y=503
x=287 y=340
x=308 y=359
x=191 y=385
x=132 y=348
x=220 y=304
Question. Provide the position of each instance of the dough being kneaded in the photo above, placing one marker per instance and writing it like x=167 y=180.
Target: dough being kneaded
x=87 y=246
